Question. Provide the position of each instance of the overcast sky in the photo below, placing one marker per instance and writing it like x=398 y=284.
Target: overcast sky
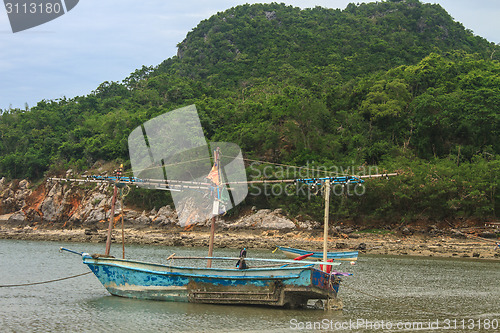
x=106 y=40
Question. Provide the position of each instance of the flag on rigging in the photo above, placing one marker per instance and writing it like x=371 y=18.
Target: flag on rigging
x=214 y=174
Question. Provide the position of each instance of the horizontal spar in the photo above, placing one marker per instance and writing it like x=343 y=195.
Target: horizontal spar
x=337 y=179
x=236 y=258
x=161 y=185
x=179 y=184
x=379 y=175
x=264 y=259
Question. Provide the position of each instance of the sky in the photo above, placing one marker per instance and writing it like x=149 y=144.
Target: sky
x=106 y=40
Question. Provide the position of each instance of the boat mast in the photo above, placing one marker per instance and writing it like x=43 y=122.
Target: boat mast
x=112 y=216
x=119 y=181
x=111 y=221
x=325 y=230
x=215 y=211
x=123 y=223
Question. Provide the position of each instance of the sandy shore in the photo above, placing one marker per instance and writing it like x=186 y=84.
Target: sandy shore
x=387 y=244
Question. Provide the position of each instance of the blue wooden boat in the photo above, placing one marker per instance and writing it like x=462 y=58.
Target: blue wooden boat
x=283 y=286
x=173 y=144
x=344 y=255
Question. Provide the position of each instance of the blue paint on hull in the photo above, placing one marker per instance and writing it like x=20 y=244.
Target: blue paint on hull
x=269 y=286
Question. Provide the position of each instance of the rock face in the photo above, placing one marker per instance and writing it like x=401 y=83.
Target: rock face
x=72 y=205
x=13 y=195
x=52 y=202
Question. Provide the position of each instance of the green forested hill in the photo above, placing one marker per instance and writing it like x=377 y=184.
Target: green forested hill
x=271 y=41
x=395 y=84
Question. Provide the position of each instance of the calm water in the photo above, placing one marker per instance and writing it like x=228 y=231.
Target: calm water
x=463 y=295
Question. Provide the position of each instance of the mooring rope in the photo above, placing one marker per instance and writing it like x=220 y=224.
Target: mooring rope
x=43 y=282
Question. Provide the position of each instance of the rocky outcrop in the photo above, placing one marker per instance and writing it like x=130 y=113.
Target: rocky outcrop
x=53 y=203
x=13 y=195
x=72 y=205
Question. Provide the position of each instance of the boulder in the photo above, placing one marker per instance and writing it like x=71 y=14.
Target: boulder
x=143 y=219
x=18 y=218
x=308 y=225
x=406 y=231
x=488 y=235
x=263 y=219
x=165 y=216
x=361 y=247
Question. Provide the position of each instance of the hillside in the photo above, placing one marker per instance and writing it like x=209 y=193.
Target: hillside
x=277 y=41
x=396 y=84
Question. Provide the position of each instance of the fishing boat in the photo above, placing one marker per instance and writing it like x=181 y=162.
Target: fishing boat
x=170 y=152
x=340 y=255
x=284 y=285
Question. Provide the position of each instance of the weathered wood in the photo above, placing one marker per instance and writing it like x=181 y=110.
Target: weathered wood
x=111 y=222
x=211 y=242
x=123 y=225
x=325 y=228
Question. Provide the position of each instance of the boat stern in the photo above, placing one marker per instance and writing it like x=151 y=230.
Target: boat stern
x=313 y=286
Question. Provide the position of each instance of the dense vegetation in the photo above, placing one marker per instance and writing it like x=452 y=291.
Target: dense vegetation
x=395 y=84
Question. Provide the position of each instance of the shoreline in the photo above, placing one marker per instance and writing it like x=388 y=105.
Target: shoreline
x=365 y=243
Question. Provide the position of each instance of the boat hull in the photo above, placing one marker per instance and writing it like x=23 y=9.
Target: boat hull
x=285 y=286
x=344 y=255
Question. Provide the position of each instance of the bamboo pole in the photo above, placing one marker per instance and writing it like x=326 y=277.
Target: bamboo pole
x=211 y=242
x=290 y=261
x=123 y=225
x=111 y=221
x=215 y=209
x=325 y=230
x=199 y=185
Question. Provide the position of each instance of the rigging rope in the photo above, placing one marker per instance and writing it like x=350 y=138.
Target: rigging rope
x=284 y=165
x=167 y=165
x=125 y=193
x=245 y=159
x=43 y=282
